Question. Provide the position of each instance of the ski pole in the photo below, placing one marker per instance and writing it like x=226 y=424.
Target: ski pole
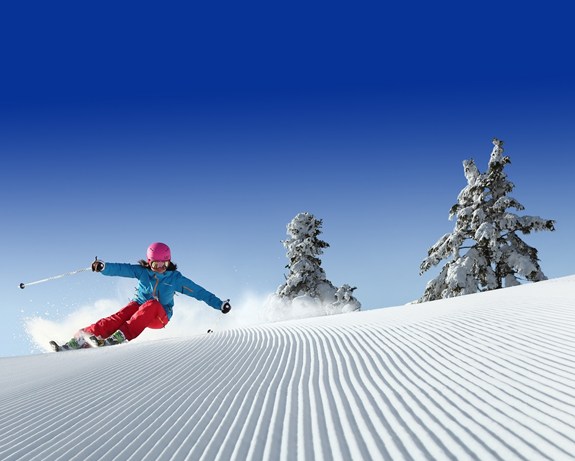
x=24 y=285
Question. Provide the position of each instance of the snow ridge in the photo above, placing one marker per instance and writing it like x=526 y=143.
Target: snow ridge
x=487 y=376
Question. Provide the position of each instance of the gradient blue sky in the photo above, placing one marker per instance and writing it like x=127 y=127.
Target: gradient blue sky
x=210 y=128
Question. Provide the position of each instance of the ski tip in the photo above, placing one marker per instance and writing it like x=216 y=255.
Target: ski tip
x=55 y=347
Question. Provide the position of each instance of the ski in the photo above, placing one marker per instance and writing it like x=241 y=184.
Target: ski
x=64 y=347
x=85 y=340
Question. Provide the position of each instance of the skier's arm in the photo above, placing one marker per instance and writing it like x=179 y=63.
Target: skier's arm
x=194 y=290
x=122 y=270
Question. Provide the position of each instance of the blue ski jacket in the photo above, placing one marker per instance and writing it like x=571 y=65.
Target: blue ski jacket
x=153 y=285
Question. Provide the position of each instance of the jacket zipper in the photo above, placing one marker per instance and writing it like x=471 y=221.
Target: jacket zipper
x=155 y=287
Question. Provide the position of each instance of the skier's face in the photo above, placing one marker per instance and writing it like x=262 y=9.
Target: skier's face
x=159 y=266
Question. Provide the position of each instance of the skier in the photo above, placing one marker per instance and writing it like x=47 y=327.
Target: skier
x=158 y=280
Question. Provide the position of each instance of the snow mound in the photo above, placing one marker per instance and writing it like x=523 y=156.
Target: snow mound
x=485 y=376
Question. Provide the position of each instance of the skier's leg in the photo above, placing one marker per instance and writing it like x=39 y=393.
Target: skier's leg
x=150 y=314
x=108 y=325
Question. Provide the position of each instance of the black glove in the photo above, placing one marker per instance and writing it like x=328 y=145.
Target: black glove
x=226 y=307
x=98 y=266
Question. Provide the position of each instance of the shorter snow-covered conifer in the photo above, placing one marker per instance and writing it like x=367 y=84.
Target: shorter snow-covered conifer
x=306 y=278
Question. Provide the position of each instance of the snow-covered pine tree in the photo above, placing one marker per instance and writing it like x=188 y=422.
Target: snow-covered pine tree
x=495 y=255
x=306 y=277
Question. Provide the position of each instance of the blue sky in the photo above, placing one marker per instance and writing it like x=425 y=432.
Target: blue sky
x=211 y=128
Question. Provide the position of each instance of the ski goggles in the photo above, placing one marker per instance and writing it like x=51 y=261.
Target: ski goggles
x=159 y=264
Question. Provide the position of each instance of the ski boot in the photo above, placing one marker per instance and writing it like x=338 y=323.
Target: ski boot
x=77 y=342
x=116 y=338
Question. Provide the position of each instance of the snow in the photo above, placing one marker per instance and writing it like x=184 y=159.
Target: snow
x=484 y=376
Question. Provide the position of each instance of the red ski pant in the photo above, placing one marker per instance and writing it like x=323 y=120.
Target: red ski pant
x=131 y=320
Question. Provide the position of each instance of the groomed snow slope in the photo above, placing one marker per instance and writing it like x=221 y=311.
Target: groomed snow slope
x=488 y=376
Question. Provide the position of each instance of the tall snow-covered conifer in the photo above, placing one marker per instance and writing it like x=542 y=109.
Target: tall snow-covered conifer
x=306 y=277
x=495 y=255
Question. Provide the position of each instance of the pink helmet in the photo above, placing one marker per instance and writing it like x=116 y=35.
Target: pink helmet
x=159 y=252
